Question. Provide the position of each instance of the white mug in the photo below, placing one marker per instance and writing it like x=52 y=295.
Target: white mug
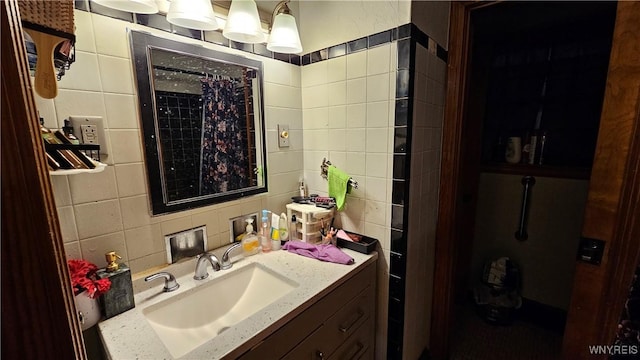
x=513 y=153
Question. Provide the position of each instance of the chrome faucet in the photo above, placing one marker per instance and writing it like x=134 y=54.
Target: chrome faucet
x=201 y=266
x=226 y=262
x=170 y=283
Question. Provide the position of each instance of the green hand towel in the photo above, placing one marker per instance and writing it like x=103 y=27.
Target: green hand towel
x=338 y=185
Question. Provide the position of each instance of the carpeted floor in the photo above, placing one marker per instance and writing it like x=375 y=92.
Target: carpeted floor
x=475 y=339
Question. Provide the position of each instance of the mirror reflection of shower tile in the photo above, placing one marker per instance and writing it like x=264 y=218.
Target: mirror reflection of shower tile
x=186 y=244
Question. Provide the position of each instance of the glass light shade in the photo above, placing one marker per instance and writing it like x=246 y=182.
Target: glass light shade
x=192 y=14
x=243 y=23
x=284 y=36
x=134 y=6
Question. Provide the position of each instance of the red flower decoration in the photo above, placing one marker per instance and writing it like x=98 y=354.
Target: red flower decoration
x=83 y=277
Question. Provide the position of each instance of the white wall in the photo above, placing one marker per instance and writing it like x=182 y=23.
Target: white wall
x=348 y=113
x=547 y=258
x=110 y=211
x=330 y=22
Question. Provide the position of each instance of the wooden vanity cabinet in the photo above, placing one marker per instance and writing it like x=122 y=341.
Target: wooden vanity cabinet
x=341 y=325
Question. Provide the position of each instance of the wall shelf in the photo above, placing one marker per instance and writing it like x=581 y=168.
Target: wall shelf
x=538 y=170
x=99 y=168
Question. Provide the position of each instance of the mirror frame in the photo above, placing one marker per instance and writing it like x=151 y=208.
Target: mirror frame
x=141 y=43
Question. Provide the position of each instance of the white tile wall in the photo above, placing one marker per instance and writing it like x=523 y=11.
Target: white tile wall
x=424 y=185
x=355 y=138
x=110 y=210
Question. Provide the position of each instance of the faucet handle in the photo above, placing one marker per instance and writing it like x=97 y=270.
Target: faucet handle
x=226 y=262
x=170 y=283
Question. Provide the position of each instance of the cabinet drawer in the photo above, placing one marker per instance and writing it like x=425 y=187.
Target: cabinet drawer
x=308 y=322
x=338 y=328
x=360 y=345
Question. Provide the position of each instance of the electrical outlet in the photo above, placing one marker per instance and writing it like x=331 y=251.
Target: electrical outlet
x=90 y=130
x=89 y=134
x=283 y=135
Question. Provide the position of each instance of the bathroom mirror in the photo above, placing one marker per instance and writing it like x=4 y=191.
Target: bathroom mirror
x=202 y=123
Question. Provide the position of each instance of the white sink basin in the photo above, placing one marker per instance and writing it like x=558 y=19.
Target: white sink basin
x=188 y=320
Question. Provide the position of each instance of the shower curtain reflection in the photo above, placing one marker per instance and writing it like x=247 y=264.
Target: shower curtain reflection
x=224 y=157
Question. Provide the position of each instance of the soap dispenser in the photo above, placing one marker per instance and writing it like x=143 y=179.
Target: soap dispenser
x=250 y=241
x=119 y=298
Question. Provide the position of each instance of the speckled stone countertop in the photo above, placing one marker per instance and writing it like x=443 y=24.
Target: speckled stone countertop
x=130 y=336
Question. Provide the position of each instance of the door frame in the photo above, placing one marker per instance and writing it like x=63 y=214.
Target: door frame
x=39 y=318
x=622 y=246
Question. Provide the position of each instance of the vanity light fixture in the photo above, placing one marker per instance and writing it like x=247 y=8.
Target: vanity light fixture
x=192 y=14
x=243 y=23
x=284 y=37
x=135 y=6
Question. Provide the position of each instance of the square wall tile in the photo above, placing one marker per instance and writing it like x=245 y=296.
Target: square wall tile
x=355 y=137
x=61 y=192
x=282 y=96
x=210 y=220
x=85 y=74
x=315 y=96
x=337 y=93
x=357 y=65
x=376 y=165
x=314 y=74
x=135 y=211
x=337 y=117
x=378 y=114
x=144 y=240
x=378 y=60
x=356 y=115
x=356 y=91
x=378 y=87
x=84 y=31
x=277 y=72
x=47 y=111
x=337 y=69
x=126 y=146
x=176 y=225
x=336 y=140
x=355 y=165
x=67 y=224
x=93 y=249
x=121 y=111
x=116 y=74
x=98 y=218
x=148 y=262
x=377 y=139
x=80 y=103
x=72 y=250
x=111 y=36
x=130 y=179
x=376 y=189
x=93 y=187
x=374 y=213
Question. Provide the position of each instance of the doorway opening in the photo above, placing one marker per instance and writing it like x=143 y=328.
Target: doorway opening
x=534 y=92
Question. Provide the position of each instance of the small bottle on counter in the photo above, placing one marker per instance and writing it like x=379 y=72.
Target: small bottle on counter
x=265 y=232
x=250 y=241
x=119 y=298
x=293 y=228
x=283 y=228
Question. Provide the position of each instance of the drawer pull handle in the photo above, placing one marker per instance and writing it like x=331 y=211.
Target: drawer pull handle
x=359 y=351
x=319 y=355
x=359 y=315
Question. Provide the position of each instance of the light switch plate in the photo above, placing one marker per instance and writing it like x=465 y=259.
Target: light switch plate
x=283 y=135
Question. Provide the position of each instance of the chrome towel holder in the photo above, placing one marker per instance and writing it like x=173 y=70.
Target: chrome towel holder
x=324 y=172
